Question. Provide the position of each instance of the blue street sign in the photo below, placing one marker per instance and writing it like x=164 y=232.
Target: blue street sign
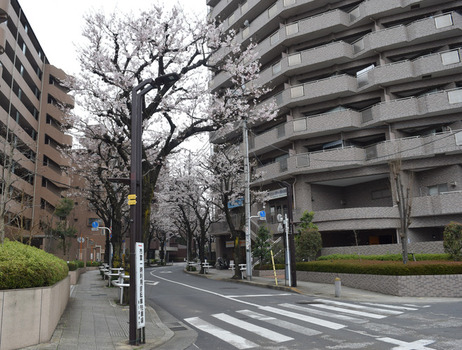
x=94 y=224
x=262 y=214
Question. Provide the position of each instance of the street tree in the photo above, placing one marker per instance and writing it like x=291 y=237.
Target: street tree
x=262 y=246
x=308 y=242
x=188 y=193
x=452 y=237
x=401 y=184
x=123 y=50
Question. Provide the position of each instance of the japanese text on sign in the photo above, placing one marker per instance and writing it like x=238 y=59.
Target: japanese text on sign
x=140 y=296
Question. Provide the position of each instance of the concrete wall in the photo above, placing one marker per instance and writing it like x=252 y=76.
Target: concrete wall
x=30 y=316
x=434 y=247
x=410 y=286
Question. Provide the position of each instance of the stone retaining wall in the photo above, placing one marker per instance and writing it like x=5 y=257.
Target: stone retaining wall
x=29 y=316
x=434 y=247
x=411 y=286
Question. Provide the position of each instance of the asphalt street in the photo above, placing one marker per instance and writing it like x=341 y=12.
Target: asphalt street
x=217 y=314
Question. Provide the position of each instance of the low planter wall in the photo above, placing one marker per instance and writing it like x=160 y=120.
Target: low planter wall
x=29 y=316
x=410 y=286
x=75 y=275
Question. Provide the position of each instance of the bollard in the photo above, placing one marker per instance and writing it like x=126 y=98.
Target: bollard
x=338 y=287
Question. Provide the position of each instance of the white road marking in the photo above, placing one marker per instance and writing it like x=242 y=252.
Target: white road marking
x=402 y=345
x=263 y=332
x=233 y=339
x=258 y=295
x=323 y=313
x=305 y=318
x=151 y=283
x=392 y=306
x=280 y=323
x=348 y=311
x=359 y=307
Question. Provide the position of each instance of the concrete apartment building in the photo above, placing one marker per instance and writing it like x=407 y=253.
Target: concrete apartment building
x=31 y=94
x=358 y=84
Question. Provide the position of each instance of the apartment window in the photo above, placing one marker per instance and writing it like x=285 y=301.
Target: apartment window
x=277 y=68
x=292 y=28
x=297 y=91
x=443 y=21
x=289 y=2
x=295 y=59
x=450 y=57
x=437 y=189
x=272 y=11
x=274 y=38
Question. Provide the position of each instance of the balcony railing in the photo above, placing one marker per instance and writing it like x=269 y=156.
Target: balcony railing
x=352 y=156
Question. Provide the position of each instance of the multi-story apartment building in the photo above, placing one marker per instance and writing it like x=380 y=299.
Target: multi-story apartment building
x=358 y=84
x=32 y=95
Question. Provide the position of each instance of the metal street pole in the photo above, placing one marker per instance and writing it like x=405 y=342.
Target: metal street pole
x=248 y=241
x=290 y=239
x=136 y=179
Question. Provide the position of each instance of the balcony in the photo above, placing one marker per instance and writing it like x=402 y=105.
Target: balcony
x=432 y=28
x=417 y=147
x=449 y=101
x=357 y=218
x=447 y=203
x=439 y=64
x=56 y=155
x=317 y=91
x=440 y=27
x=4 y=6
x=302 y=163
x=318 y=125
x=222 y=8
x=58 y=135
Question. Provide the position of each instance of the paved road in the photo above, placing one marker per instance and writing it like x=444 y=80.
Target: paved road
x=210 y=314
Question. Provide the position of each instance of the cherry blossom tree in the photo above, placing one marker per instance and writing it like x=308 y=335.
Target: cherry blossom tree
x=121 y=51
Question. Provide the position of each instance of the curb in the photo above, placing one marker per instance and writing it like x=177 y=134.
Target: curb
x=257 y=284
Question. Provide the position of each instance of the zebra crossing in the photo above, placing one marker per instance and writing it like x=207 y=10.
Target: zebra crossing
x=285 y=319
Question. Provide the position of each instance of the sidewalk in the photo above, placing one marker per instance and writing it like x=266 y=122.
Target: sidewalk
x=94 y=321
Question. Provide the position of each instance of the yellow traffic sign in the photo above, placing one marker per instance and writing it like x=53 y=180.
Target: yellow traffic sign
x=132 y=202
x=131 y=196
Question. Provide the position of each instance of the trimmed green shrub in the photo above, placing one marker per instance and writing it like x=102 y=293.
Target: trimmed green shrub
x=72 y=265
x=383 y=268
x=23 y=266
x=386 y=257
x=453 y=240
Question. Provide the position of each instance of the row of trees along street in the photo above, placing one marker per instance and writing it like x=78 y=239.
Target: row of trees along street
x=120 y=52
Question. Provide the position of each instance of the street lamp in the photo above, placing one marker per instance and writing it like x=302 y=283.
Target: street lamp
x=138 y=93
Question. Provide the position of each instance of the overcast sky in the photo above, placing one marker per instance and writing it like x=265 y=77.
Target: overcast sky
x=58 y=23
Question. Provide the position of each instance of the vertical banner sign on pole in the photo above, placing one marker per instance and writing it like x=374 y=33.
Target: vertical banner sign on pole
x=140 y=296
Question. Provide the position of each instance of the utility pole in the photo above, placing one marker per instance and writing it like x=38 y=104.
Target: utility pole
x=248 y=240
x=136 y=332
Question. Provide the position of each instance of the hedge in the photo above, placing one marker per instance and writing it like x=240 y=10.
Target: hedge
x=386 y=257
x=394 y=268
x=23 y=266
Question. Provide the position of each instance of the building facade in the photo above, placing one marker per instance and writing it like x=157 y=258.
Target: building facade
x=33 y=98
x=359 y=85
